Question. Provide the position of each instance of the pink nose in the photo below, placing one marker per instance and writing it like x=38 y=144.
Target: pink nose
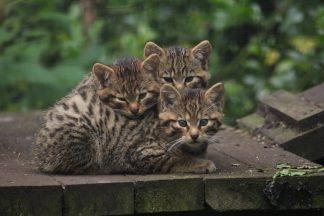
x=134 y=108
x=179 y=85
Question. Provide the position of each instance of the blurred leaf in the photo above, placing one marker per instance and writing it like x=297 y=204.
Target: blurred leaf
x=303 y=44
x=271 y=57
x=258 y=46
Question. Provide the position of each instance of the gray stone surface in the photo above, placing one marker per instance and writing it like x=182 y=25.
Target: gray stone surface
x=31 y=200
x=169 y=193
x=26 y=191
x=246 y=193
x=293 y=109
x=251 y=122
x=294 y=122
x=314 y=95
x=256 y=155
x=99 y=199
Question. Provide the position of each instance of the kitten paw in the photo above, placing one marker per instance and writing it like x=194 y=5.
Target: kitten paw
x=205 y=167
x=197 y=166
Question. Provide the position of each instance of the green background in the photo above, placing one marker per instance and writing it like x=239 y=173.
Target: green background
x=258 y=46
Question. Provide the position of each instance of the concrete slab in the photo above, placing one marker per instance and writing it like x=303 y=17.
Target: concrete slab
x=168 y=193
x=293 y=109
x=259 y=192
x=24 y=190
x=251 y=122
x=314 y=95
x=256 y=155
x=97 y=194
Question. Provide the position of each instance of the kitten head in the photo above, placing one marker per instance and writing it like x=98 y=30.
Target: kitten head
x=129 y=85
x=191 y=116
x=182 y=67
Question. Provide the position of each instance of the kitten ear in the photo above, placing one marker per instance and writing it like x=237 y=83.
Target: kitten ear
x=202 y=51
x=151 y=48
x=215 y=95
x=102 y=73
x=151 y=65
x=169 y=96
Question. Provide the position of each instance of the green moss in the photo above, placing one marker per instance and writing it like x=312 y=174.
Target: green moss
x=99 y=199
x=30 y=201
x=170 y=195
x=251 y=122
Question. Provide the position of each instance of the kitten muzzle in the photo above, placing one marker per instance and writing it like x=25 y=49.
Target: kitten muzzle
x=194 y=148
x=134 y=108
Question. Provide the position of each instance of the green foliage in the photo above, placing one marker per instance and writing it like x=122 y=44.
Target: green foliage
x=288 y=170
x=258 y=46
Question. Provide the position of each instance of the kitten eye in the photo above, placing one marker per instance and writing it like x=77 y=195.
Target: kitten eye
x=182 y=123
x=168 y=79
x=189 y=79
x=121 y=99
x=203 y=122
x=142 y=95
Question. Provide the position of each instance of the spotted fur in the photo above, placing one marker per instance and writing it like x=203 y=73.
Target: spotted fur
x=172 y=148
x=182 y=67
x=89 y=131
x=83 y=130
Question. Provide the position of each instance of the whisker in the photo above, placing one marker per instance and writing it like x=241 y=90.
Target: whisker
x=151 y=104
x=210 y=107
x=212 y=139
x=173 y=141
x=174 y=145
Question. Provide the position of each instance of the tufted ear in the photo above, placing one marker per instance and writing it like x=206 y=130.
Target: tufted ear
x=151 y=48
x=169 y=97
x=202 y=51
x=215 y=95
x=150 y=65
x=102 y=73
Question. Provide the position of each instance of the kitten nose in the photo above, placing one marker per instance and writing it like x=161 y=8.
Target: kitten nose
x=179 y=85
x=134 y=108
x=194 y=134
x=134 y=111
x=194 y=137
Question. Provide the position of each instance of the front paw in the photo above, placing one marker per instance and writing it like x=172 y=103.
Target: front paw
x=196 y=166
x=204 y=167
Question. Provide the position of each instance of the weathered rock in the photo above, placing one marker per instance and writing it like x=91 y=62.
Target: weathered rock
x=240 y=159
x=251 y=122
x=112 y=198
x=31 y=200
x=293 y=109
x=294 y=122
x=240 y=193
x=169 y=194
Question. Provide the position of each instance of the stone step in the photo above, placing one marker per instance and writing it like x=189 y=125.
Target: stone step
x=293 y=110
x=306 y=144
x=315 y=95
x=251 y=122
x=245 y=168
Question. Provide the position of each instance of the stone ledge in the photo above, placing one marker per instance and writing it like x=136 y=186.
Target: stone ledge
x=31 y=200
x=292 y=109
x=249 y=193
x=169 y=193
x=244 y=167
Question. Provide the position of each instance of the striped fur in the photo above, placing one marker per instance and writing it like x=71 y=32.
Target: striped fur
x=182 y=67
x=84 y=129
x=86 y=132
x=169 y=147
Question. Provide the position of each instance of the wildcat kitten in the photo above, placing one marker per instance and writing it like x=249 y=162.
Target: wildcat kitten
x=182 y=67
x=82 y=129
x=188 y=122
